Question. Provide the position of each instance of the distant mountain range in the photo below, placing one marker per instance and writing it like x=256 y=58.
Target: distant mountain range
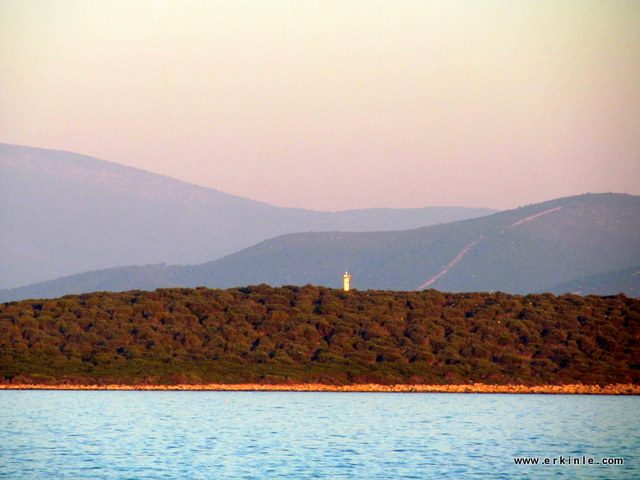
x=63 y=213
x=550 y=246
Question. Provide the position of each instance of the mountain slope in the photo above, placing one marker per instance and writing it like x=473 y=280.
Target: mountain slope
x=529 y=249
x=609 y=283
x=63 y=213
x=524 y=250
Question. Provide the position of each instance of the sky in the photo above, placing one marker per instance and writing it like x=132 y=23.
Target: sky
x=336 y=105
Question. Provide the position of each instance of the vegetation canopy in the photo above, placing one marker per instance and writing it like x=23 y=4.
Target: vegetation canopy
x=292 y=334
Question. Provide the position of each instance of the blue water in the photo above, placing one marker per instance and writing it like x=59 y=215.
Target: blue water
x=208 y=435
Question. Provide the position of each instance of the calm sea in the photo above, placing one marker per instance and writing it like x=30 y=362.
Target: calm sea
x=209 y=435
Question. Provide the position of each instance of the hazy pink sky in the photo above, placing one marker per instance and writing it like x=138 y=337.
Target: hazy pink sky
x=334 y=105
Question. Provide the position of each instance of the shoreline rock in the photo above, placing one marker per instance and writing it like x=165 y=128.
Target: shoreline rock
x=575 y=389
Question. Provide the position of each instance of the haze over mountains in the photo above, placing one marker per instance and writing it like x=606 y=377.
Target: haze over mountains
x=63 y=213
x=548 y=246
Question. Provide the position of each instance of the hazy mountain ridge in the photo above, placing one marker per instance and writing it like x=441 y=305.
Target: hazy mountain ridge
x=574 y=237
x=64 y=213
x=529 y=249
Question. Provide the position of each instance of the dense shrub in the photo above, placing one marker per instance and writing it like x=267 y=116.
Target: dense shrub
x=315 y=334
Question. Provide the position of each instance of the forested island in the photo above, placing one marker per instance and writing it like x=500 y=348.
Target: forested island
x=316 y=335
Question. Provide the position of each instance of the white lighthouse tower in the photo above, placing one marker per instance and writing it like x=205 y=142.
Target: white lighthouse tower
x=346 y=278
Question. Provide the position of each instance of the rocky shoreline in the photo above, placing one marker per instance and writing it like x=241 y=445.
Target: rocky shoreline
x=575 y=389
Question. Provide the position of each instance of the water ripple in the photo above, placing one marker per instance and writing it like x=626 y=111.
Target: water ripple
x=140 y=435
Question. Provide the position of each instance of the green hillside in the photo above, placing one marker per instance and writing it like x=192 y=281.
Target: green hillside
x=315 y=334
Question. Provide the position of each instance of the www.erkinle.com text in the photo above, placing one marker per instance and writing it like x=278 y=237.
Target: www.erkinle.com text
x=568 y=460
